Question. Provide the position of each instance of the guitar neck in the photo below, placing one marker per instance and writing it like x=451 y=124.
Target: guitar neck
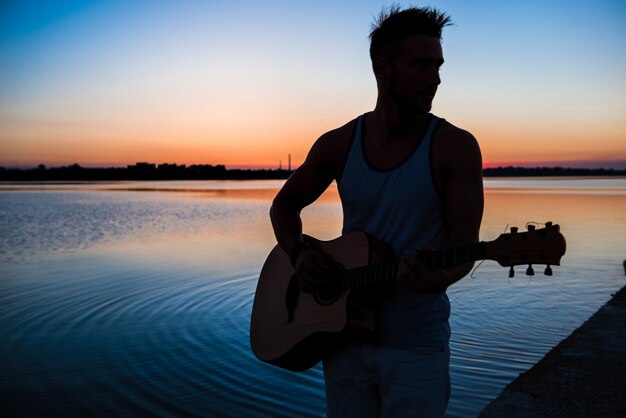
x=386 y=272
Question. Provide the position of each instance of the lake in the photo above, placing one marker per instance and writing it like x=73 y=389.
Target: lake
x=134 y=298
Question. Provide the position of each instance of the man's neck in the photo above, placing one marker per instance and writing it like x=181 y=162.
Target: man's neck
x=391 y=121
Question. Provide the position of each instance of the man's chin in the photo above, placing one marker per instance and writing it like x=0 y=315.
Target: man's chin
x=421 y=108
x=422 y=104
x=425 y=106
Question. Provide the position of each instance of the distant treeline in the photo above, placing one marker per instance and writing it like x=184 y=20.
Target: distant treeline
x=149 y=171
x=139 y=171
x=549 y=172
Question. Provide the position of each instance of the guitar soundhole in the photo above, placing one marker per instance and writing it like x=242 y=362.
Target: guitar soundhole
x=327 y=294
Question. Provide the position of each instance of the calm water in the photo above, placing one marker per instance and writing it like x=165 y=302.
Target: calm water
x=134 y=299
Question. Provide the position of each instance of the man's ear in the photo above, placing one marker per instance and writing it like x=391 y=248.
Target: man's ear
x=381 y=67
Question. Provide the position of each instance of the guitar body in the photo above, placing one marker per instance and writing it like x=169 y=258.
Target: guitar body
x=299 y=340
x=295 y=330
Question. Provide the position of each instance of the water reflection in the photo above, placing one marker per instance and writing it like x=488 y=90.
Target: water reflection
x=594 y=224
x=134 y=299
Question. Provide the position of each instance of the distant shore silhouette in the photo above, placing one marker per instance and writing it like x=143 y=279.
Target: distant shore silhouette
x=150 y=171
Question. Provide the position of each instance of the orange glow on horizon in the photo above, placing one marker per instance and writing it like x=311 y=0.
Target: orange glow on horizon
x=192 y=84
x=264 y=138
x=269 y=148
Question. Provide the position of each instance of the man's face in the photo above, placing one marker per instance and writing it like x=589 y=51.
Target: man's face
x=415 y=73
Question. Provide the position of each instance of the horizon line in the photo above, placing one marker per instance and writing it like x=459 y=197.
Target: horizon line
x=615 y=164
x=621 y=166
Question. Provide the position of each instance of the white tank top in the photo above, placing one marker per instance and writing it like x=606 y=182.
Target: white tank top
x=401 y=207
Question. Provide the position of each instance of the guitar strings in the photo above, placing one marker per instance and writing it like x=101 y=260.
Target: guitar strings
x=474 y=270
x=482 y=261
x=530 y=279
x=473 y=276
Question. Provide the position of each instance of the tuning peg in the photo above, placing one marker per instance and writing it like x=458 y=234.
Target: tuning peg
x=511 y=272
x=548 y=270
x=513 y=230
x=530 y=271
x=531 y=227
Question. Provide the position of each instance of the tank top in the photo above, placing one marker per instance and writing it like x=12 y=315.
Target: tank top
x=401 y=207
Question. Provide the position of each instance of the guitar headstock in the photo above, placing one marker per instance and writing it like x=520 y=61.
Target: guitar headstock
x=535 y=246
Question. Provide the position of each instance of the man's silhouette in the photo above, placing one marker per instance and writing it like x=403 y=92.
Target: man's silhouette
x=414 y=181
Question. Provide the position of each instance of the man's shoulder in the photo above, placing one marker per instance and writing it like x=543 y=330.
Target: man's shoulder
x=329 y=151
x=452 y=134
x=339 y=137
x=333 y=145
x=455 y=146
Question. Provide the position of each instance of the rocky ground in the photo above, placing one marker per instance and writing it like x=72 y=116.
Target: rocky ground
x=583 y=376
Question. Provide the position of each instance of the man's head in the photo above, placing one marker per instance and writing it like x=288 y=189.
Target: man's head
x=394 y=25
x=406 y=54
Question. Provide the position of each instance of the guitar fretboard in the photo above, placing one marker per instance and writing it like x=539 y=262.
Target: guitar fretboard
x=385 y=272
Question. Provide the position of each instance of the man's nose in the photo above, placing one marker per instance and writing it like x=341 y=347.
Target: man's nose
x=434 y=78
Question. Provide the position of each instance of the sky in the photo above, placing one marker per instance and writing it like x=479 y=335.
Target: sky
x=247 y=83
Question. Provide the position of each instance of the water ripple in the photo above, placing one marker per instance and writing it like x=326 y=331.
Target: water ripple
x=99 y=318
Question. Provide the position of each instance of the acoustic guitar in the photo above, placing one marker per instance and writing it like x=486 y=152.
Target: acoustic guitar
x=294 y=330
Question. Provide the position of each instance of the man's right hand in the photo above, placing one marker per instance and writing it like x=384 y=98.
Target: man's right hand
x=315 y=269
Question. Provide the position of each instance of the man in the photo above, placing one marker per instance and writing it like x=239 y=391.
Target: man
x=414 y=181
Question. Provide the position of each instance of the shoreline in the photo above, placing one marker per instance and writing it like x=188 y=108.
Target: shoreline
x=163 y=172
x=582 y=376
x=88 y=180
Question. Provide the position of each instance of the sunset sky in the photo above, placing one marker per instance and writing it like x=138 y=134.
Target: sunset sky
x=245 y=83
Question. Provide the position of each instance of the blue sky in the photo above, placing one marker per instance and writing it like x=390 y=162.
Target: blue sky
x=100 y=81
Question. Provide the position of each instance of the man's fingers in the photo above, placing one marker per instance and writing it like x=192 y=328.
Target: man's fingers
x=312 y=278
x=323 y=263
x=415 y=266
x=308 y=284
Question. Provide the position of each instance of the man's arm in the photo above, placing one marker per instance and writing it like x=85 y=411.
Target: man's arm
x=302 y=188
x=458 y=173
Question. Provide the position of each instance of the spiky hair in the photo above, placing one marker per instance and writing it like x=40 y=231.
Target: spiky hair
x=394 y=24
